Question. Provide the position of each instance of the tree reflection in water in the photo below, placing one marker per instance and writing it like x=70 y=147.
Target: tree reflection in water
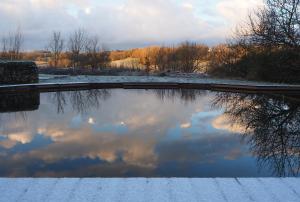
x=81 y=101
x=272 y=128
x=186 y=95
x=84 y=101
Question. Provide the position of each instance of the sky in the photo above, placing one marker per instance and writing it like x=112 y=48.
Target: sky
x=123 y=24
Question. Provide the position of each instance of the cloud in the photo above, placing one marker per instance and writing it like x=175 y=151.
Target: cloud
x=223 y=122
x=124 y=23
x=185 y=125
x=188 y=5
x=22 y=137
x=7 y=144
x=236 y=11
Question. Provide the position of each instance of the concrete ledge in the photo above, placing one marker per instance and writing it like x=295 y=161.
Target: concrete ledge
x=143 y=189
x=51 y=87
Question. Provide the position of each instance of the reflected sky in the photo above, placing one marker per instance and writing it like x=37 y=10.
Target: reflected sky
x=127 y=133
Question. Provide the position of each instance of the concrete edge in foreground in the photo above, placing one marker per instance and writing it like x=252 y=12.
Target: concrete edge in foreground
x=149 y=189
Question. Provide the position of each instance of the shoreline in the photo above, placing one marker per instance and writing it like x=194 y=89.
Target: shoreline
x=50 y=83
x=237 y=88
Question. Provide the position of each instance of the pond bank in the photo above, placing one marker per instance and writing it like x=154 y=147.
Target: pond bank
x=52 y=87
x=50 y=83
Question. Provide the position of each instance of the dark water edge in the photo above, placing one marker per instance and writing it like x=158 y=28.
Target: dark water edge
x=149 y=133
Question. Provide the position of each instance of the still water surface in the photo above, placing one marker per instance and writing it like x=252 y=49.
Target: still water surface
x=149 y=133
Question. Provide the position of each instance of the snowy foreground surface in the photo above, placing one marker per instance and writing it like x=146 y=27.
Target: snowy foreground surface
x=142 y=189
x=44 y=78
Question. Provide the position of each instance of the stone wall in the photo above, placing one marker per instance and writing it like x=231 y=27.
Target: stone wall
x=18 y=72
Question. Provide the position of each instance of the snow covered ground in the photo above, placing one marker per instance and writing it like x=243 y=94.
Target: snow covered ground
x=156 y=190
x=115 y=79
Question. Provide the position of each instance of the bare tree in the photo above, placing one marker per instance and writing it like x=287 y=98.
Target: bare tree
x=104 y=57
x=4 y=48
x=93 y=49
x=77 y=44
x=56 y=46
x=189 y=56
x=15 y=43
x=277 y=24
x=185 y=58
x=267 y=48
x=11 y=45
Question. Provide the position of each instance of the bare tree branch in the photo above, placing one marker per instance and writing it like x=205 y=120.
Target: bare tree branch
x=56 y=46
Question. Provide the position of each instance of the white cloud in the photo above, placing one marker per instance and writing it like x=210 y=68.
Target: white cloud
x=87 y=11
x=188 y=5
x=185 y=125
x=91 y=121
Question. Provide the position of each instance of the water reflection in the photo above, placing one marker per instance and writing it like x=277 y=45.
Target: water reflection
x=84 y=101
x=186 y=95
x=154 y=133
x=272 y=128
x=81 y=101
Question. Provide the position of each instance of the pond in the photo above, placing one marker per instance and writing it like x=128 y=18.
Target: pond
x=149 y=133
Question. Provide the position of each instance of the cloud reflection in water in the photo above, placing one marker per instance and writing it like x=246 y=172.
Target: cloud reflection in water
x=174 y=133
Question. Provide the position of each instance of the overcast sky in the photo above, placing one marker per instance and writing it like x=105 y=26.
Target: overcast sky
x=125 y=24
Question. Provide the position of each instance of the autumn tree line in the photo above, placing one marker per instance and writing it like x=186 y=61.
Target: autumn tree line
x=267 y=48
x=184 y=57
x=81 y=50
